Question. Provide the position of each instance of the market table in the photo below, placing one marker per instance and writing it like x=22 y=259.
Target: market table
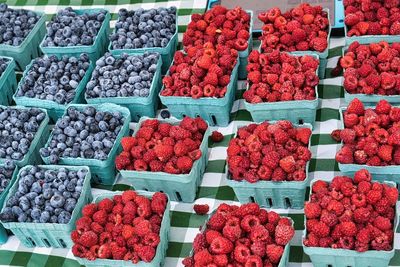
x=213 y=190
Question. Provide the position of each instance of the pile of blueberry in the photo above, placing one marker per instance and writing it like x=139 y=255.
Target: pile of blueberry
x=17 y=130
x=50 y=78
x=88 y=134
x=144 y=28
x=44 y=196
x=6 y=173
x=3 y=64
x=128 y=75
x=15 y=24
x=70 y=29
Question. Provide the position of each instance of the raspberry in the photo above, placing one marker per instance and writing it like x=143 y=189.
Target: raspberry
x=199 y=243
x=221 y=245
x=303 y=135
x=216 y=136
x=128 y=142
x=382 y=223
x=283 y=234
x=216 y=222
x=79 y=250
x=312 y=210
x=348 y=228
x=88 y=239
x=158 y=203
x=319 y=44
x=164 y=152
x=100 y=217
x=106 y=205
x=356 y=107
x=274 y=253
x=241 y=253
x=143 y=206
x=201 y=209
x=188 y=262
x=146 y=253
x=122 y=162
x=89 y=209
x=184 y=164
x=249 y=222
x=202 y=258
x=128 y=195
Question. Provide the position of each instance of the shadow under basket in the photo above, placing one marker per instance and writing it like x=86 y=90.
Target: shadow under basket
x=54 y=235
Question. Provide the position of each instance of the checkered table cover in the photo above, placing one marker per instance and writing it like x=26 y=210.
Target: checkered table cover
x=213 y=190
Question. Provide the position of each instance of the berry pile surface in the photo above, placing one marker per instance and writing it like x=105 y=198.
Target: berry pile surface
x=276 y=76
x=204 y=72
x=269 y=152
x=163 y=147
x=371 y=135
x=44 y=196
x=124 y=76
x=18 y=129
x=355 y=214
x=88 y=134
x=372 y=69
x=241 y=235
x=141 y=28
x=67 y=28
x=302 y=28
x=16 y=24
x=6 y=173
x=126 y=227
x=54 y=79
x=219 y=26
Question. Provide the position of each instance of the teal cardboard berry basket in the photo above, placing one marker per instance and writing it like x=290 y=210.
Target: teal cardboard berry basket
x=179 y=187
x=322 y=257
x=379 y=173
x=161 y=250
x=54 y=109
x=29 y=48
x=96 y=50
x=54 y=235
x=3 y=232
x=216 y=111
x=285 y=256
x=38 y=141
x=323 y=56
x=296 y=111
x=8 y=82
x=138 y=106
x=167 y=53
x=103 y=171
x=367 y=99
x=270 y=194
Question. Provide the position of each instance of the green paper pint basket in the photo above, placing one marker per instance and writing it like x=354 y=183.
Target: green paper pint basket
x=179 y=187
x=29 y=48
x=38 y=141
x=8 y=82
x=322 y=257
x=216 y=111
x=96 y=50
x=161 y=250
x=54 y=109
x=3 y=195
x=103 y=171
x=270 y=194
x=138 y=106
x=54 y=235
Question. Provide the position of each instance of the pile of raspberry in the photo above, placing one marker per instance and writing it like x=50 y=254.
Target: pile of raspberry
x=371 y=136
x=241 y=236
x=279 y=76
x=276 y=152
x=219 y=26
x=302 y=28
x=126 y=227
x=372 y=69
x=163 y=147
x=348 y=213
x=203 y=72
x=372 y=17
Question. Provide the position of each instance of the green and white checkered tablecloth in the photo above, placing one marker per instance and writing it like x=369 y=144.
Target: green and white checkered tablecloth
x=213 y=190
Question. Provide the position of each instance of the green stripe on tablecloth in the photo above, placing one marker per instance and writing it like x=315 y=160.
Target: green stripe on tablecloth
x=330 y=91
x=322 y=139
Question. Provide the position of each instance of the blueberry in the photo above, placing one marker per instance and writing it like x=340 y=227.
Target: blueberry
x=44 y=217
x=57 y=201
x=64 y=217
x=40 y=200
x=35 y=213
x=70 y=204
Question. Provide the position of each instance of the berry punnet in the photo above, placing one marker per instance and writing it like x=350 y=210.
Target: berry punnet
x=67 y=28
x=6 y=172
x=163 y=147
x=144 y=28
x=44 y=196
x=203 y=72
x=376 y=17
x=54 y=79
x=124 y=76
x=370 y=136
x=18 y=129
x=276 y=152
x=302 y=28
x=219 y=26
x=277 y=76
x=372 y=68
x=88 y=134
x=241 y=236
x=125 y=227
x=355 y=214
x=16 y=24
